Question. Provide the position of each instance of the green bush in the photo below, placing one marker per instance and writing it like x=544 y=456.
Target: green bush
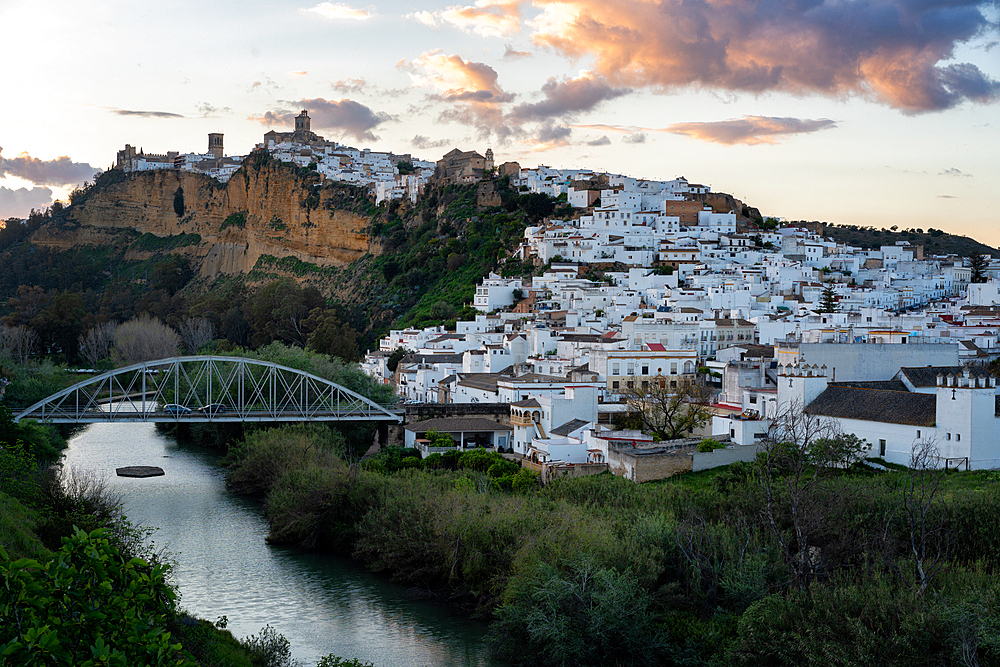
x=587 y=615
x=265 y=456
x=86 y=605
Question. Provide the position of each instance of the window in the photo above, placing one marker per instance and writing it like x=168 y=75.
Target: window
x=615 y=384
x=753 y=400
x=881 y=448
x=948 y=437
x=616 y=369
x=918 y=432
x=958 y=436
x=630 y=384
x=645 y=369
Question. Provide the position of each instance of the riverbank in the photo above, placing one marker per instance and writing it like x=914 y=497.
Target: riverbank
x=701 y=569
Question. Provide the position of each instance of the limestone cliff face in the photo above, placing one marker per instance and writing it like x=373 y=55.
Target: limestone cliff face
x=267 y=208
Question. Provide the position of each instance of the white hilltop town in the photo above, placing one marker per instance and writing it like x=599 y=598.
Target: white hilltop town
x=648 y=288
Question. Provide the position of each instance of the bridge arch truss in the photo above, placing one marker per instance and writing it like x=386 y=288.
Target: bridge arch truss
x=206 y=389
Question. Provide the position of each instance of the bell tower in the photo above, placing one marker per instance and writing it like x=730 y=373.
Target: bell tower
x=215 y=144
x=302 y=121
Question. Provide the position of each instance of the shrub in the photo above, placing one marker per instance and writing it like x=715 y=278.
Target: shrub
x=588 y=615
x=86 y=603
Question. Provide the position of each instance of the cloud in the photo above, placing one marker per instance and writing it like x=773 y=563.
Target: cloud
x=951 y=171
x=347 y=116
x=18 y=203
x=567 y=97
x=420 y=142
x=267 y=83
x=637 y=138
x=750 y=130
x=947 y=197
x=487 y=18
x=349 y=85
x=59 y=172
x=208 y=111
x=511 y=54
x=339 y=11
x=299 y=72
x=146 y=114
x=603 y=141
x=554 y=135
x=457 y=78
x=427 y=18
x=471 y=88
x=898 y=52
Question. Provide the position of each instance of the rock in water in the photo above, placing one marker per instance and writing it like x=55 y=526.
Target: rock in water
x=139 y=471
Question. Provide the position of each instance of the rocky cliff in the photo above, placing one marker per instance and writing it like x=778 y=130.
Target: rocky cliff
x=267 y=208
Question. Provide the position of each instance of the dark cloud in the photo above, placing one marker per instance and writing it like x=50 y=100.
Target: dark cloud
x=637 y=138
x=567 y=97
x=18 y=203
x=897 y=51
x=146 y=114
x=61 y=171
x=347 y=116
x=554 y=134
x=510 y=53
x=750 y=129
x=603 y=141
x=951 y=171
x=421 y=142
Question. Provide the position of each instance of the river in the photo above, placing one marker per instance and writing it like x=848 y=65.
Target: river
x=224 y=567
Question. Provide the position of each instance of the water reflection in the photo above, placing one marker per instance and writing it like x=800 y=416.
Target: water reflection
x=224 y=567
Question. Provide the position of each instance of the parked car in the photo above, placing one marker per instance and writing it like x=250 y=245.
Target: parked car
x=213 y=409
x=176 y=409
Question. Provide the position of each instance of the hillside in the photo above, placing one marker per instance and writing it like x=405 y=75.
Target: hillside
x=180 y=245
x=268 y=208
x=935 y=241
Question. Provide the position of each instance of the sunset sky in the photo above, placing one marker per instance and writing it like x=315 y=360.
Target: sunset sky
x=871 y=112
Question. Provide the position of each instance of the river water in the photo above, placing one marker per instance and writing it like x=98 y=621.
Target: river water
x=223 y=566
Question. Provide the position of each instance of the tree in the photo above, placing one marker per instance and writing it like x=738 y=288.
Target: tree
x=96 y=344
x=666 y=412
x=195 y=332
x=18 y=343
x=798 y=452
x=928 y=543
x=828 y=299
x=144 y=338
x=60 y=324
x=392 y=363
x=979 y=265
x=279 y=310
x=330 y=335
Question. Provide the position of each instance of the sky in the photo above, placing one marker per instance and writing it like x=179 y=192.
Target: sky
x=866 y=112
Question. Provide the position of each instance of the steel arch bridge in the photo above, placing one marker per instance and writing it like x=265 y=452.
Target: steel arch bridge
x=206 y=389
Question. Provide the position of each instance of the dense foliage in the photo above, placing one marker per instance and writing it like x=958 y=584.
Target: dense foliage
x=701 y=569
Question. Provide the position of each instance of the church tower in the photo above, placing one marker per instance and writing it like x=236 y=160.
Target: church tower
x=302 y=122
x=215 y=144
x=489 y=158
